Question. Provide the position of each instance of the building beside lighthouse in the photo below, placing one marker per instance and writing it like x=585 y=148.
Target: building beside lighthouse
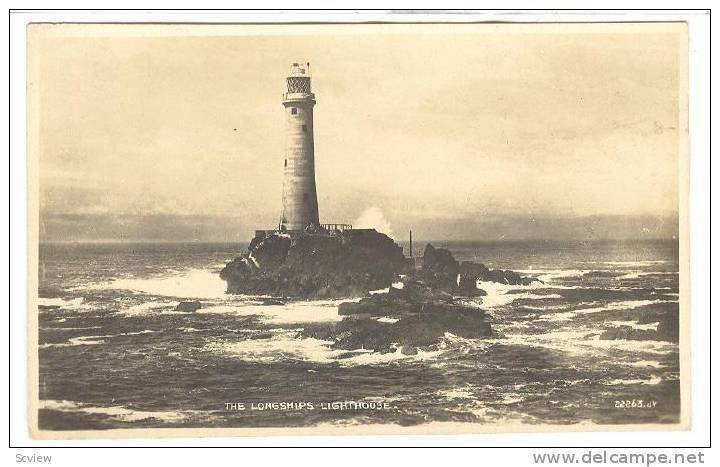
x=299 y=200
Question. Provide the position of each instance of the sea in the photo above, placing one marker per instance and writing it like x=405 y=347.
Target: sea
x=114 y=353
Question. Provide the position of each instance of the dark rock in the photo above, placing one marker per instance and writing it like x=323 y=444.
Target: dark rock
x=320 y=331
x=417 y=292
x=322 y=265
x=468 y=268
x=188 y=307
x=420 y=329
x=440 y=269
x=467 y=287
x=668 y=328
x=412 y=298
x=506 y=277
x=271 y=301
x=439 y=261
x=420 y=314
x=668 y=318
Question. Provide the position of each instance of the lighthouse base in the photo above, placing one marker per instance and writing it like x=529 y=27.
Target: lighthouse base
x=323 y=264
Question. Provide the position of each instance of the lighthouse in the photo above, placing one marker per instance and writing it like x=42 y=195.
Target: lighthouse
x=300 y=205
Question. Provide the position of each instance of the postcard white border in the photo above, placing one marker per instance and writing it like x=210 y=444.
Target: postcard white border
x=699 y=233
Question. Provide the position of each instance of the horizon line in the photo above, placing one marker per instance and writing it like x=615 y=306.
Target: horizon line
x=415 y=240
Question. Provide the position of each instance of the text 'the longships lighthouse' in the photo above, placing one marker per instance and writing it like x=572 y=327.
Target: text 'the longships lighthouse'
x=300 y=205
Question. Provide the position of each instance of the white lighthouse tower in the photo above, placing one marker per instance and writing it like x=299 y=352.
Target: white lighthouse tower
x=300 y=205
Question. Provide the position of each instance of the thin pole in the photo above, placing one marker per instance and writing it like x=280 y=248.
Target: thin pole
x=411 y=255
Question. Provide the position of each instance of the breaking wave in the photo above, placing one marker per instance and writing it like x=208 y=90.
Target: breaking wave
x=289 y=346
x=290 y=313
x=503 y=294
x=70 y=303
x=635 y=325
x=93 y=340
x=635 y=263
x=639 y=274
x=625 y=382
x=194 y=283
x=551 y=275
x=121 y=413
x=586 y=342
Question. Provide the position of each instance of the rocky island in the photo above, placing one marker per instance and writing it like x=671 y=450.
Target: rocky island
x=337 y=264
x=400 y=305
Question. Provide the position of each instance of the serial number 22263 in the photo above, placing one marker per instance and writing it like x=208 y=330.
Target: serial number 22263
x=635 y=404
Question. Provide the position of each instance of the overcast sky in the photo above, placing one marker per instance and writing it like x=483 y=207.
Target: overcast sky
x=177 y=133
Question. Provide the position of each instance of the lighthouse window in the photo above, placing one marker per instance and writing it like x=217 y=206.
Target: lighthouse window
x=293 y=110
x=304 y=128
x=285 y=162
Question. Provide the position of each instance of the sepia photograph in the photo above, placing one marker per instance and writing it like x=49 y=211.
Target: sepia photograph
x=355 y=229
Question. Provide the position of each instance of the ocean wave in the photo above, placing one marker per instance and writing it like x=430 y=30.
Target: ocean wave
x=633 y=346
x=635 y=325
x=92 y=340
x=455 y=393
x=639 y=274
x=541 y=308
x=64 y=303
x=376 y=358
x=586 y=342
x=277 y=348
x=623 y=305
x=643 y=364
x=289 y=346
x=498 y=294
x=121 y=413
x=42 y=328
x=385 y=319
x=557 y=317
x=151 y=307
x=290 y=313
x=468 y=392
x=193 y=283
x=636 y=263
x=450 y=341
x=510 y=398
x=551 y=275
x=558 y=306
x=653 y=380
x=74 y=341
x=613 y=306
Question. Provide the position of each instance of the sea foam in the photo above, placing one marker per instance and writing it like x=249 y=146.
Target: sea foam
x=289 y=346
x=498 y=294
x=290 y=313
x=193 y=283
x=69 y=303
x=120 y=413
